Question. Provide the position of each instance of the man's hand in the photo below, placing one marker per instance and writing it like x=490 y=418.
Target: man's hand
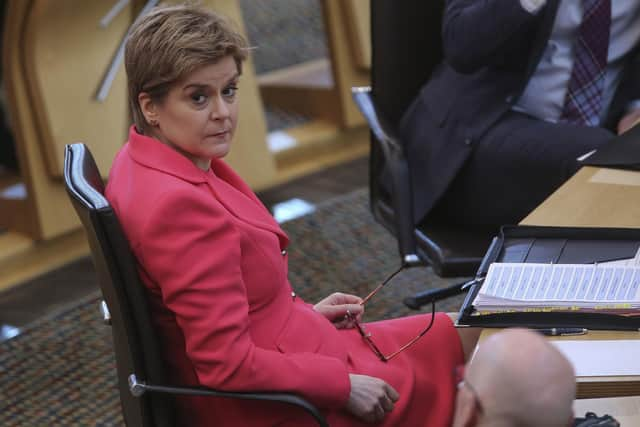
x=335 y=307
x=629 y=120
x=370 y=398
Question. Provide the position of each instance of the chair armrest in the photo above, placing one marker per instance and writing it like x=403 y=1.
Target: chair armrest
x=138 y=388
x=397 y=164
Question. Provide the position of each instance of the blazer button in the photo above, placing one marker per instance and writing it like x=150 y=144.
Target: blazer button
x=509 y=99
x=293 y=295
x=283 y=252
x=468 y=141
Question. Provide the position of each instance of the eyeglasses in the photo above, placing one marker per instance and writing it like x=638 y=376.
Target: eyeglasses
x=460 y=380
x=366 y=336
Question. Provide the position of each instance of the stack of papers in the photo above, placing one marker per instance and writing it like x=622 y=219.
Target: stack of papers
x=609 y=287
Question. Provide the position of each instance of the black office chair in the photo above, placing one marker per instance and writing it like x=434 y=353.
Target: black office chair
x=406 y=46
x=146 y=398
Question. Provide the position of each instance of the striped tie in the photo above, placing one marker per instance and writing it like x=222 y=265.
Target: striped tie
x=583 y=101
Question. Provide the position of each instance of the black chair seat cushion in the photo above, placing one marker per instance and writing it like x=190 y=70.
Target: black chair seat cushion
x=452 y=250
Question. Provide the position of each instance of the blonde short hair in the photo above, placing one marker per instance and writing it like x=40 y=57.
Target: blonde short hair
x=170 y=42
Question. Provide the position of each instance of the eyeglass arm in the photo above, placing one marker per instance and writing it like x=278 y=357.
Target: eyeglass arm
x=138 y=388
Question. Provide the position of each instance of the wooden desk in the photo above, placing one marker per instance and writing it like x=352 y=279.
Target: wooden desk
x=598 y=386
x=595 y=197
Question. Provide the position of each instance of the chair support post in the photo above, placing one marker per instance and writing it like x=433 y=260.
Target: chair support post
x=397 y=162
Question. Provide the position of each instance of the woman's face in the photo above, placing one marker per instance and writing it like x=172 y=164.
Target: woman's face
x=198 y=116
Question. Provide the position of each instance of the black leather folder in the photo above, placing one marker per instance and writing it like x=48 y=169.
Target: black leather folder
x=560 y=245
x=623 y=152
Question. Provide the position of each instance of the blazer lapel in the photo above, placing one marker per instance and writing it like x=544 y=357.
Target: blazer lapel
x=229 y=188
x=156 y=155
x=241 y=201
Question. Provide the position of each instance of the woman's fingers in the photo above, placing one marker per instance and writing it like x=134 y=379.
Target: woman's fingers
x=370 y=398
x=338 y=312
x=391 y=393
x=342 y=298
x=387 y=404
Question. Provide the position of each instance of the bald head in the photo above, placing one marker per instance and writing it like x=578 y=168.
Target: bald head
x=521 y=380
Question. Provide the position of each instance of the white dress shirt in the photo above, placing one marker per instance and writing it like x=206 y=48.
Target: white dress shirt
x=546 y=90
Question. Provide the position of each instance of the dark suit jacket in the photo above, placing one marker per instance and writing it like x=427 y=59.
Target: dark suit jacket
x=491 y=49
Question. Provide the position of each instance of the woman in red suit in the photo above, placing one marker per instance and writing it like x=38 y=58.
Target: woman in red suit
x=215 y=262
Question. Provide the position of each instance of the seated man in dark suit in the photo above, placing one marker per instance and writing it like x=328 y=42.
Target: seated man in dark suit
x=526 y=87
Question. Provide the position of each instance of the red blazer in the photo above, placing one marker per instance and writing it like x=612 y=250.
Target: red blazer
x=215 y=265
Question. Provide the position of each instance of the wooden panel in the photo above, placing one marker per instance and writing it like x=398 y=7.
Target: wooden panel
x=30 y=259
x=358 y=22
x=587 y=202
x=67 y=54
x=305 y=88
x=250 y=155
x=320 y=144
x=314 y=74
x=346 y=73
x=46 y=209
x=321 y=92
x=18 y=109
x=48 y=212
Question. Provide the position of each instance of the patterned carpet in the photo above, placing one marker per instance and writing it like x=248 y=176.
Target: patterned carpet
x=60 y=371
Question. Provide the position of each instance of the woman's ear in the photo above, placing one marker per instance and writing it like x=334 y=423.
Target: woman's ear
x=148 y=108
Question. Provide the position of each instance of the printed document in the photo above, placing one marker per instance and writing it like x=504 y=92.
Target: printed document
x=614 y=286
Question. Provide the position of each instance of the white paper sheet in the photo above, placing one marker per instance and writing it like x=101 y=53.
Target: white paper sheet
x=577 y=283
x=602 y=358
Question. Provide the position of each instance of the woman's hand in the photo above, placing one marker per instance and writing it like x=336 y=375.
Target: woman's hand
x=370 y=398
x=335 y=307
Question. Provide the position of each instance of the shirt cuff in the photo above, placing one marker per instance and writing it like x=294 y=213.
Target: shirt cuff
x=532 y=6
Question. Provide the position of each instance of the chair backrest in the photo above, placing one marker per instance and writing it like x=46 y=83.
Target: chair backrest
x=406 y=46
x=135 y=342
